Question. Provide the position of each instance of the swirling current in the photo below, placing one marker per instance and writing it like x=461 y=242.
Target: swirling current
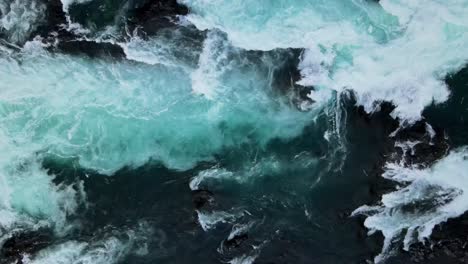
x=241 y=131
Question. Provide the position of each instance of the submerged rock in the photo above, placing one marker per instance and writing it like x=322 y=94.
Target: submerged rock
x=202 y=198
x=235 y=241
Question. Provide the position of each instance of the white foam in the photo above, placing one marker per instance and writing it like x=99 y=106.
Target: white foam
x=73 y=26
x=209 y=220
x=28 y=197
x=244 y=259
x=143 y=51
x=108 y=250
x=19 y=18
x=257 y=168
x=255 y=25
x=398 y=52
x=212 y=63
x=239 y=229
x=109 y=115
x=216 y=173
x=161 y=50
x=427 y=198
x=67 y=3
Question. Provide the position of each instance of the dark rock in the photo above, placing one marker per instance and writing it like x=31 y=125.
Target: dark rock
x=55 y=23
x=25 y=243
x=55 y=18
x=235 y=242
x=91 y=49
x=364 y=129
x=96 y=15
x=429 y=147
x=287 y=74
x=155 y=15
x=55 y=29
x=202 y=198
x=148 y=15
x=447 y=244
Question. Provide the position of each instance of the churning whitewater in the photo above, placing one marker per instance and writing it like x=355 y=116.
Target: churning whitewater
x=242 y=131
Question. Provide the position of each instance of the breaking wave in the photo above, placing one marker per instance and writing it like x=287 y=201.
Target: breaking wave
x=388 y=51
x=426 y=198
x=209 y=84
x=110 y=249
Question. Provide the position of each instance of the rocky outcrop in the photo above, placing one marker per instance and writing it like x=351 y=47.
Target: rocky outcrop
x=448 y=244
x=21 y=243
x=91 y=49
x=420 y=144
x=154 y=15
x=148 y=16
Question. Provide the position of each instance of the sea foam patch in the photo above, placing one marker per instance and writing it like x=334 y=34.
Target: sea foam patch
x=426 y=198
x=393 y=51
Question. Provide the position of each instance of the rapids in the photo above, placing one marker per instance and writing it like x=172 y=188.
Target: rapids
x=246 y=126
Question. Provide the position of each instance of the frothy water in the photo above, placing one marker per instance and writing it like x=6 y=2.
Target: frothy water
x=108 y=250
x=393 y=51
x=18 y=19
x=108 y=115
x=427 y=197
x=240 y=93
x=74 y=111
x=29 y=198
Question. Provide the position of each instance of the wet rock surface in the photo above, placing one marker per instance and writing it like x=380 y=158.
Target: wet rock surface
x=22 y=243
x=91 y=49
x=202 y=199
x=417 y=145
x=421 y=144
x=149 y=16
x=448 y=244
x=55 y=22
x=154 y=15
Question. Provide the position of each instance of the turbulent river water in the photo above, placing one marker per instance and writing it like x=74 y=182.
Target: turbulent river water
x=241 y=131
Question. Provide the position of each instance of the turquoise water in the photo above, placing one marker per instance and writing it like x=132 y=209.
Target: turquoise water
x=271 y=111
